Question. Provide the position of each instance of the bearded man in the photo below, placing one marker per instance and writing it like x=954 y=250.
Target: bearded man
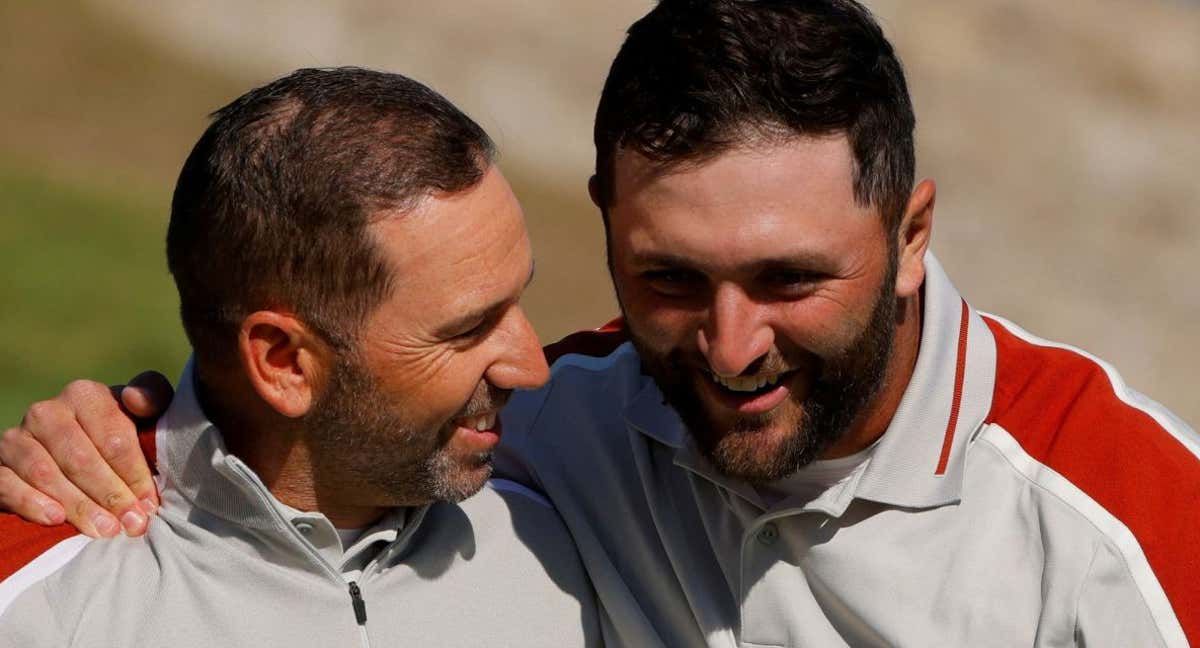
x=799 y=433
x=339 y=402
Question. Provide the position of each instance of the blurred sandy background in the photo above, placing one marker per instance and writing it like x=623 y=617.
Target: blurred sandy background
x=1065 y=139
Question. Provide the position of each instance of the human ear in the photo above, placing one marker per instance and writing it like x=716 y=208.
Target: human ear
x=283 y=359
x=594 y=190
x=914 y=234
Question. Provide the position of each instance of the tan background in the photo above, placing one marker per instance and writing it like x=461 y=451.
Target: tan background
x=1065 y=139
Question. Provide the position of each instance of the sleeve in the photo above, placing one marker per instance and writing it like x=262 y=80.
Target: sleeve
x=22 y=542
x=514 y=458
x=1112 y=610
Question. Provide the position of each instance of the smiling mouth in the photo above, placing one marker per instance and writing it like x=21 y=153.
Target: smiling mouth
x=478 y=423
x=748 y=385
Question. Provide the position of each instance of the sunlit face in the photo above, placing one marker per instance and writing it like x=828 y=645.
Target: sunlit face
x=760 y=294
x=413 y=413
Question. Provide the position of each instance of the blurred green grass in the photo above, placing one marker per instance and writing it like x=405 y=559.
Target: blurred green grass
x=85 y=289
x=93 y=127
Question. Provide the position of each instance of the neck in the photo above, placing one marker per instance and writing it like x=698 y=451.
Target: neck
x=272 y=446
x=876 y=417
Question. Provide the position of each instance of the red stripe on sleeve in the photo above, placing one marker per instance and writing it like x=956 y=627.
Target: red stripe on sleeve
x=21 y=542
x=596 y=343
x=1062 y=409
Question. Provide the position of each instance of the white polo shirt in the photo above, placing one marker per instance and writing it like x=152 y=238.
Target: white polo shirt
x=1021 y=496
x=225 y=563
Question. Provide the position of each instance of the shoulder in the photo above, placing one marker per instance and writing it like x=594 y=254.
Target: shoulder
x=516 y=530
x=30 y=553
x=594 y=343
x=594 y=375
x=22 y=542
x=505 y=510
x=1069 y=424
x=1074 y=413
x=591 y=369
x=502 y=537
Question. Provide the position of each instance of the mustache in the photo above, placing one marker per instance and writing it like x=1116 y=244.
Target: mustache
x=487 y=398
x=770 y=363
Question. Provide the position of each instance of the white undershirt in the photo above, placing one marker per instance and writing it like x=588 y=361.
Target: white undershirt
x=809 y=482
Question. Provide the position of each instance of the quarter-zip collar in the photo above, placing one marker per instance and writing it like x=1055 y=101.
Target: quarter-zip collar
x=199 y=474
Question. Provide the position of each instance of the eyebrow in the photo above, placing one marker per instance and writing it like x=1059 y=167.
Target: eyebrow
x=483 y=312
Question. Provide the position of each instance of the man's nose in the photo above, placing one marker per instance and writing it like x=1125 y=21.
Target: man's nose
x=522 y=364
x=735 y=333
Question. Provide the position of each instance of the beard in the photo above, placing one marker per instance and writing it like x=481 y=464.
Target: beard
x=842 y=383
x=358 y=440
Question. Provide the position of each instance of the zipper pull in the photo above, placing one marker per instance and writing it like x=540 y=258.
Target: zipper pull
x=360 y=606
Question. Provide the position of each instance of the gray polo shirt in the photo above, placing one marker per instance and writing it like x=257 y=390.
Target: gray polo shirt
x=225 y=564
x=1021 y=496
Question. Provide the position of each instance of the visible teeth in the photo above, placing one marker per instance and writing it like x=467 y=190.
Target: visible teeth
x=746 y=383
x=479 y=423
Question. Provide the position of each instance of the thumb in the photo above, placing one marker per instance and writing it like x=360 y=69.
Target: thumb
x=147 y=395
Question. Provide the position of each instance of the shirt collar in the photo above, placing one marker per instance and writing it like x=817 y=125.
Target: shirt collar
x=920 y=458
x=649 y=413
x=195 y=465
x=918 y=463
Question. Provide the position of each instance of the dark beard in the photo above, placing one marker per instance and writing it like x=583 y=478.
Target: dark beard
x=845 y=382
x=359 y=442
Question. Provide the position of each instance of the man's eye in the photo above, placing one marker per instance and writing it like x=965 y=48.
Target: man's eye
x=673 y=282
x=478 y=329
x=474 y=330
x=788 y=278
x=790 y=281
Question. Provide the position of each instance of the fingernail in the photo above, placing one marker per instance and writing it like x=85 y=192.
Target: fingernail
x=148 y=506
x=133 y=520
x=54 y=514
x=106 y=525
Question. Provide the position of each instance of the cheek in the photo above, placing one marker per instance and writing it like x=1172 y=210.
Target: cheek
x=821 y=326
x=428 y=386
x=449 y=390
x=657 y=322
x=660 y=325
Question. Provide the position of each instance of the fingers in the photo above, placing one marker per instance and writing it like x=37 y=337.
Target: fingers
x=75 y=473
x=28 y=466
x=95 y=443
x=147 y=395
x=18 y=497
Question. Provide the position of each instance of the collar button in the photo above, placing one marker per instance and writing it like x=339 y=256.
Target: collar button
x=768 y=534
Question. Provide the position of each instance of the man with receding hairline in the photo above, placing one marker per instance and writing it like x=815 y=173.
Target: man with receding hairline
x=336 y=407
x=799 y=433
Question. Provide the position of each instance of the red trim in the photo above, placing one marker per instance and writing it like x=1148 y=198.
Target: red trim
x=21 y=542
x=1063 y=411
x=146 y=439
x=596 y=343
x=955 y=404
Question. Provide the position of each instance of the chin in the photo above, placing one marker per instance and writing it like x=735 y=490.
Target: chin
x=760 y=449
x=761 y=454
x=462 y=478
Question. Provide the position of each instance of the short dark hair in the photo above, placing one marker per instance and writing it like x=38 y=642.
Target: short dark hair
x=272 y=205
x=697 y=77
